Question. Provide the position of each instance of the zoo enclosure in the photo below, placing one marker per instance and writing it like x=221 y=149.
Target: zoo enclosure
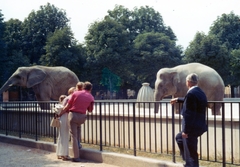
x=133 y=126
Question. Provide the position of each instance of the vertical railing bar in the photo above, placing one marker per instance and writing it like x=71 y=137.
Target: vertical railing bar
x=139 y=126
x=109 y=123
x=128 y=126
x=155 y=128
x=167 y=128
x=39 y=113
x=118 y=126
x=232 y=149
x=105 y=124
x=144 y=127
x=46 y=120
x=208 y=136
x=19 y=120
x=239 y=130
x=95 y=133
x=84 y=129
x=123 y=109
x=36 y=121
x=150 y=129
x=114 y=126
x=215 y=135
x=161 y=128
x=100 y=122
x=173 y=135
x=92 y=142
x=223 y=137
x=6 y=120
x=134 y=130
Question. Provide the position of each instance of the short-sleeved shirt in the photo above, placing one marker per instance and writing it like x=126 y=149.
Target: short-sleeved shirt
x=81 y=101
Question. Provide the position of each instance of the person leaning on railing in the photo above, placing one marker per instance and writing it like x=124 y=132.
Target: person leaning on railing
x=78 y=105
x=193 y=122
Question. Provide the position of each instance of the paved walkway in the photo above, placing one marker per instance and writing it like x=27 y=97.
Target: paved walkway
x=20 y=156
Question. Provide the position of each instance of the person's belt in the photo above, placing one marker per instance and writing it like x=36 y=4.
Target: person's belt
x=76 y=112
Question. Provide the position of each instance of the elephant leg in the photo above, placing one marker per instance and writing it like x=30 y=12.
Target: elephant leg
x=215 y=108
x=44 y=104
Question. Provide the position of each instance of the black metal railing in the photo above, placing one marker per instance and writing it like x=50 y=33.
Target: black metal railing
x=132 y=126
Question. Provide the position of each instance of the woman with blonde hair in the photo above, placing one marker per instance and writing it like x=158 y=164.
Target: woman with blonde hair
x=63 y=137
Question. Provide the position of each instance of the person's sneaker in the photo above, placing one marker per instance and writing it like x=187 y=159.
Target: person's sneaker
x=76 y=160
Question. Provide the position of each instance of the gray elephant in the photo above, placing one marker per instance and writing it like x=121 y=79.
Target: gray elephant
x=172 y=81
x=48 y=83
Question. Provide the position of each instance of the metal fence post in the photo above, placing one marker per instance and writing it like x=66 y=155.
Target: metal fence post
x=6 y=118
x=134 y=130
x=223 y=137
x=19 y=120
x=173 y=135
x=100 y=119
x=36 y=121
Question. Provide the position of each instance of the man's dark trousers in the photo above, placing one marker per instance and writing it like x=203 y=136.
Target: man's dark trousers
x=191 y=142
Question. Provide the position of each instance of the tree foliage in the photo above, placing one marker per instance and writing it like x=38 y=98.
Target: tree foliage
x=154 y=50
x=62 y=50
x=107 y=47
x=210 y=51
x=3 y=56
x=146 y=19
x=36 y=28
x=227 y=29
x=13 y=39
x=215 y=48
x=117 y=43
x=125 y=48
x=235 y=66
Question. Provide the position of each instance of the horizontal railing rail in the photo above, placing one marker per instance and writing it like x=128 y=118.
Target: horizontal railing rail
x=132 y=125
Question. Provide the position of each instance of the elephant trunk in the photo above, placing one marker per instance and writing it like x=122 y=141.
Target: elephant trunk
x=157 y=98
x=6 y=86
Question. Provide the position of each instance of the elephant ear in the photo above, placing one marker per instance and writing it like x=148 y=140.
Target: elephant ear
x=35 y=77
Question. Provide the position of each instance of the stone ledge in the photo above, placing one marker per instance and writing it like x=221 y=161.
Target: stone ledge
x=120 y=160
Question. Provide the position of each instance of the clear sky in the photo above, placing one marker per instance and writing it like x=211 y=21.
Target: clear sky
x=185 y=17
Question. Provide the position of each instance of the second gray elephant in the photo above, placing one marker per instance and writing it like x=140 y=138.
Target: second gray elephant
x=172 y=81
x=48 y=83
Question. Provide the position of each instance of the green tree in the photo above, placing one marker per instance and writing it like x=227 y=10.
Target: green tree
x=146 y=19
x=107 y=47
x=13 y=36
x=209 y=50
x=143 y=25
x=36 y=28
x=154 y=50
x=227 y=29
x=3 y=56
x=110 y=43
x=62 y=50
x=13 y=39
x=235 y=67
x=215 y=48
